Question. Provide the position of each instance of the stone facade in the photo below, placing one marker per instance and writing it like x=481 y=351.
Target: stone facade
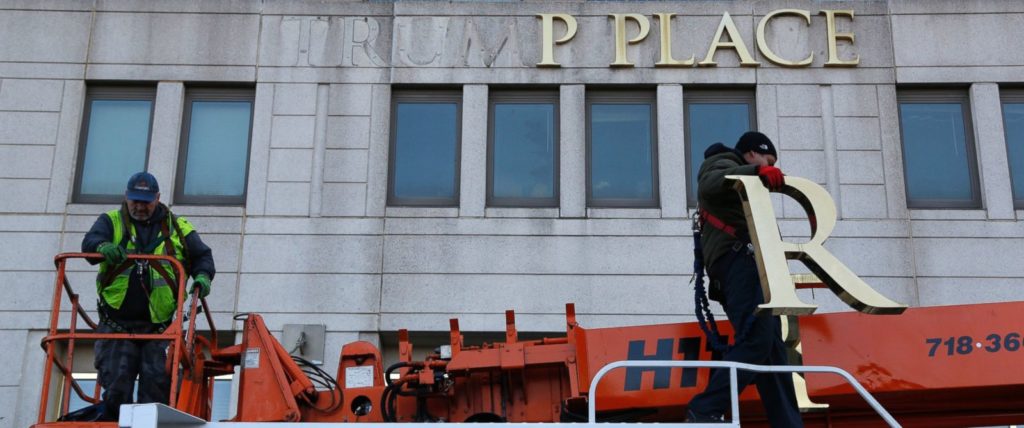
x=316 y=242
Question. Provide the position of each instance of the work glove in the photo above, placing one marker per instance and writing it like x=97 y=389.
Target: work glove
x=771 y=176
x=112 y=253
x=203 y=282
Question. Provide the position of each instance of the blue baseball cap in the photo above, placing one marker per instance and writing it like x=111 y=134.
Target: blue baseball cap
x=142 y=187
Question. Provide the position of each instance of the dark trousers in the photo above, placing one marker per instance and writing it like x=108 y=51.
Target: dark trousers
x=761 y=344
x=118 y=362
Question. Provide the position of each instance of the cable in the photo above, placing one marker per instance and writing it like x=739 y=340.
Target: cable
x=323 y=379
x=391 y=368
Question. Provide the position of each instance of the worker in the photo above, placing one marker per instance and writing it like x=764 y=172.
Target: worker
x=134 y=297
x=735 y=282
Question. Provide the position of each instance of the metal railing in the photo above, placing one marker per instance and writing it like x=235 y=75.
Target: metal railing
x=734 y=367
x=176 y=333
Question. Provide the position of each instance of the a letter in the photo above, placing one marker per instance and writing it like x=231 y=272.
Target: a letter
x=476 y=52
x=771 y=252
x=422 y=37
x=735 y=42
x=547 y=29
x=833 y=51
x=634 y=375
x=762 y=44
x=620 y=35
x=360 y=33
x=665 y=20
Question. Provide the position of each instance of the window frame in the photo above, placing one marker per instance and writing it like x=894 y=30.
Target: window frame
x=1011 y=96
x=712 y=96
x=622 y=97
x=524 y=97
x=424 y=96
x=115 y=93
x=203 y=93
x=942 y=96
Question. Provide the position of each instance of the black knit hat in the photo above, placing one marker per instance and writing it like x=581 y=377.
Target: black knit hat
x=754 y=141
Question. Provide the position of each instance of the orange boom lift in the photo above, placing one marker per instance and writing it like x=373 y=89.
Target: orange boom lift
x=946 y=366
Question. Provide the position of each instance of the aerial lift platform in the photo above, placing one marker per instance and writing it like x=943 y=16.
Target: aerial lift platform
x=945 y=366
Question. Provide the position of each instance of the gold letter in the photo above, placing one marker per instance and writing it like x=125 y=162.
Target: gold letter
x=547 y=27
x=665 y=19
x=762 y=44
x=620 y=35
x=771 y=252
x=735 y=42
x=833 y=53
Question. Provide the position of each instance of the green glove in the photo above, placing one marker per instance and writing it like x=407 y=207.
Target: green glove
x=203 y=281
x=113 y=254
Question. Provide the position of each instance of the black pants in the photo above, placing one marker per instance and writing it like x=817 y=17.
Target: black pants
x=762 y=344
x=118 y=362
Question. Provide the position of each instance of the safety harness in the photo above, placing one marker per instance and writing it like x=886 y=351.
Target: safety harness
x=705 y=318
x=164 y=236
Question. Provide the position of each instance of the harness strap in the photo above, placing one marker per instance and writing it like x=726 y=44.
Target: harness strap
x=717 y=223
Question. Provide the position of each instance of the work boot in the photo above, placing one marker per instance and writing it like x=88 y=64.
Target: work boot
x=692 y=417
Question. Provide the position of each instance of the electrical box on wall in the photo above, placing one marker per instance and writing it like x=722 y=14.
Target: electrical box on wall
x=305 y=340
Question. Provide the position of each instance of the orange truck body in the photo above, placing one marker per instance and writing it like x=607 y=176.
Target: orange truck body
x=930 y=367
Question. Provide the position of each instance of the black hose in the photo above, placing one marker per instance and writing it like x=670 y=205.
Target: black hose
x=391 y=368
x=323 y=379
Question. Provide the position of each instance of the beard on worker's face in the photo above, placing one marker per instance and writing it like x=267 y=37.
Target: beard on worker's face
x=140 y=212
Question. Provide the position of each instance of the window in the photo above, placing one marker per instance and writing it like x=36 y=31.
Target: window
x=220 y=408
x=938 y=150
x=713 y=116
x=114 y=141
x=214 y=157
x=1013 y=124
x=425 y=135
x=523 y=150
x=621 y=155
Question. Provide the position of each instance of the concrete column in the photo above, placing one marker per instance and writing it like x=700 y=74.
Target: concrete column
x=259 y=149
x=573 y=151
x=319 y=151
x=829 y=144
x=165 y=139
x=473 y=164
x=70 y=125
x=990 y=143
x=892 y=152
x=671 y=151
x=380 y=131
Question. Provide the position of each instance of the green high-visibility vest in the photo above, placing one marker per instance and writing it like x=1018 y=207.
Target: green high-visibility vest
x=162 y=293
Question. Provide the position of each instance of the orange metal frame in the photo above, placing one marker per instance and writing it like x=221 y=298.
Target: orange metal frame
x=186 y=347
x=930 y=367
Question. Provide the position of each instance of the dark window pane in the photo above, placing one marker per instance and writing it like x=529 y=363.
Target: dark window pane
x=935 y=152
x=218 y=148
x=221 y=408
x=713 y=123
x=1013 y=121
x=116 y=145
x=425 y=150
x=621 y=158
x=88 y=387
x=524 y=151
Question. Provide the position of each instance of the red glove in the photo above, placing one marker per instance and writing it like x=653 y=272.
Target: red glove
x=771 y=176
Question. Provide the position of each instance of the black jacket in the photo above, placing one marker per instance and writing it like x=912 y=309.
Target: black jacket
x=136 y=303
x=717 y=196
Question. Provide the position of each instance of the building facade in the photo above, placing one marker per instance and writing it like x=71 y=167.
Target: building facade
x=377 y=165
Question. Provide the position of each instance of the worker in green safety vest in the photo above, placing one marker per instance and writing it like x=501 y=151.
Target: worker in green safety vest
x=138 y=296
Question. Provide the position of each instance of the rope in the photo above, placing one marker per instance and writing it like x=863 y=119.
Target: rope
x=705 y=318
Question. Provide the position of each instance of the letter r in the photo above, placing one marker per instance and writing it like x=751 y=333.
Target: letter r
x=771 y=252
